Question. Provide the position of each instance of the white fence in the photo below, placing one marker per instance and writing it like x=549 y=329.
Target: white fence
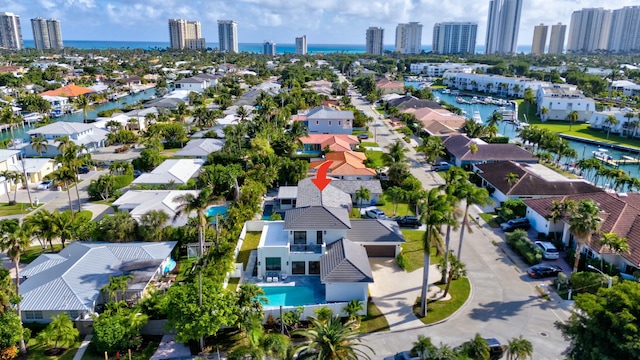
x=255 y=225
x=308 y=310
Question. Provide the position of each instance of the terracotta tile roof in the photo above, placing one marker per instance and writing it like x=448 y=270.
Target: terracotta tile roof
x=346 y=163
x=388 y=84
x=336 y=142
x=620 y=214
x=529 y=183
x=68 y=91
x=411 y=102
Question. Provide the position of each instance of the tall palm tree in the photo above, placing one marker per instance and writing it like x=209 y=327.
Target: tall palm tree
x=330 y=340
x=435 y=209
x=396 y=153
x=612 y=242
x=362 y=194
x=8 y=177
x=65 y=176
x=9 y=118
x=584 y=220
x=559 y=210
x=423 y=347
x=519 y=349
x=452 y=269
x=68 y=156
x=41 y=225
x=433 y=148
x=572 y=117
x=83 y=103
x=454 y=180
x=15 y=243
x=154 y=222
x=39 y=144
x=544 y=111
x=63 y=225
x=472 y=196
x=611 y=121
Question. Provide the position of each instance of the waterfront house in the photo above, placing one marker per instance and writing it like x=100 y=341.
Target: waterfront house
x=411 y=102
x=534 y=181
x=71 y=281
x=458 y=148
x=326 y=120
x=171 y=172
x=625 y=125
x=491 y=84
x=620 y=214
x=69 y=91
x=79 y=133
x=387 y=86
x=562 y=99
x=139 y=202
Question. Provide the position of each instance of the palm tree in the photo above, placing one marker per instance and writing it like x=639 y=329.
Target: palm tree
x=433 y=148
x=559 y=210
x=396 y=194
x=614 y=243
x=154 y=222
x=519 y=349
x=529 y=98
x=330 y=340
x=629 y=115
x=423 y=347
x=611 y=121
x=572 y=117
x=297 y=131
x=82 y=102
x=396 y=153
x=472 y=196
x=352 y=309
x=362 y=194
x=583 y=222
x=41 y=225
x=65 y=176
x=39 y=144
x=7 y=117
x=63 y=225
x=452 y=269
x=477 y=348
x=15 y=243
x=511 y=179
x=17 y=178
x=59 y=332
x=8 y=177
x=435 y=209
x=544 y=111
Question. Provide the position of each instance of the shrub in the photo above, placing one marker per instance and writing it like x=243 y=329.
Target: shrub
x=587 y=282
x=402 y=262
x=496 y=139
x=518 y=241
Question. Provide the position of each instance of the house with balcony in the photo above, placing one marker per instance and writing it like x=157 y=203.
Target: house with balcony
x=562 y=99
x=326 y=120
x=197 y=83
x=323 y=241
x=491 y=84
x=81 y=134
x=626 y=124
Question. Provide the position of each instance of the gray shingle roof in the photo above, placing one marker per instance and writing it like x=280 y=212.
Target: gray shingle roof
x=72 y=279
x=459 y=146
x=317 y=217
x=323 y=112
x=200 y=147
x=375 y=231
x=351 y=186
x=309 y=195
x=287 y=192
x=345 y=261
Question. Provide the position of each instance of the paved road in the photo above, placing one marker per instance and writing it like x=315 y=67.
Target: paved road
x=503 y=303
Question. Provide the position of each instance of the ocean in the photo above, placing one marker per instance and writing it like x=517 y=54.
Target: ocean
x=243 y=47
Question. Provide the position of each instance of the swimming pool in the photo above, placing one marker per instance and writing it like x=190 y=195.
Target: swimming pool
x=217 y=210
x=288 y=295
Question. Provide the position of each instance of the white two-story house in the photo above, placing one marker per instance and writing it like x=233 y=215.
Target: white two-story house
x=326 y=120
x=81 y=134
x=323 y=241
x=562 y=99
x=197 y=83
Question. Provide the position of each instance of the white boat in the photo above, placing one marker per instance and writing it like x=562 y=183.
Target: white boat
x=602 y=155
x=437 y=99
x=446 y=91
x=477 y=118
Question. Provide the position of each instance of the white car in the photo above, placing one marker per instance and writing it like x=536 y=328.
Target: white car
x=45 y=185
x=549 y=251
x=375 y=213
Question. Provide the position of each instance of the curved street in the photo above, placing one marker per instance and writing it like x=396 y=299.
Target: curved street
x=504 y=302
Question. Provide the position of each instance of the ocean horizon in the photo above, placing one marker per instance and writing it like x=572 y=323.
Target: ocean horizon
x=242 y=47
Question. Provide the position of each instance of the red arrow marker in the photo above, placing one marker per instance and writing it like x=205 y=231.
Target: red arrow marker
x=321 y=179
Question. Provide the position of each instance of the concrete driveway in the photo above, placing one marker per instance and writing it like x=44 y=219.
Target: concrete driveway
x=394 y=291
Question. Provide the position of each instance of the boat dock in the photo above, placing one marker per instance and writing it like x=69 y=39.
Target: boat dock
x=626 y=160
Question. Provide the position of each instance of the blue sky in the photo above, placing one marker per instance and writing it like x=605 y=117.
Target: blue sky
x=323 y=21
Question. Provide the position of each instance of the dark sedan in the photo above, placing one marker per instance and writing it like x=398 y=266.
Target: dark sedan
x=544 y=270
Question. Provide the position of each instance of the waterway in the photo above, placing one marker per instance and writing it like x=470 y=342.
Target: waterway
x=584 y=150
x=92 y=114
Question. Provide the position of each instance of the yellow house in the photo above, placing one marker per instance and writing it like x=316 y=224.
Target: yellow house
x=36 y=168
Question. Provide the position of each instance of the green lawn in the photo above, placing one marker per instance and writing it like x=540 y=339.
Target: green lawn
x=185 y=266
x=374 y=321
x=401 y=210
x=251 y=241
x=36 y=352
x=438 y=310
x=490 y=219
x=33 y=252
x=15 y=209
x=149 y=347
x=369 y=143
x=375 y=157
x=412 y=250
x=233 y=284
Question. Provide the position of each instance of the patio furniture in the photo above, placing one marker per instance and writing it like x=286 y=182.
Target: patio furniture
x=275 y=279
x=283 y=276
x=269 y=279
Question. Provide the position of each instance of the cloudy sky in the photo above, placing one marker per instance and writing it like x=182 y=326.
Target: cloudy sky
x=323 y=21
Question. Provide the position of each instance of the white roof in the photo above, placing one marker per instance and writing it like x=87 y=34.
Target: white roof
x=50 y=98
x=200 y=147
x=61 y=128
x=33 y=165
x=178 y=171
x=7 y=154
x=73 y=278
x=99 y=87
x=140 y=202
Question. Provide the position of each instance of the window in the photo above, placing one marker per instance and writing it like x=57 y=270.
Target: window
x=299 y=237
x=285 y=201
x=297 y=268
x=319 y=237
x=329 y=122
x=73 y=314
x=314 y=267
x=317 y=122
x=33 y=315
x=339 y=123
x=273 y=264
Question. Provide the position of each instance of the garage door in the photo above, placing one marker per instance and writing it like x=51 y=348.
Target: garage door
x=381 y=250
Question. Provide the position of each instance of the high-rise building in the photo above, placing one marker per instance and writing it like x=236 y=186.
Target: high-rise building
x=46 y=33
x=409 y=38
x=185 y=34
x=454 y=37
x=301 y=45
x=269 y=48
x=375 y=38
x=10 y=31
x=625 y=30
x=589 y=30
x=539 y=39
x=55 y=34
x=40 y=33
x=228 y=35
x=556 y=39
x=503 y=25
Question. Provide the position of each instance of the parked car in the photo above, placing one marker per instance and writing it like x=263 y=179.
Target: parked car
x=375 y=213
x=408 y=221
x=441 y=166
x=405 y=355
x=45 y=185
x=83 y=169
x=544 y=270
x=496 y=350
x=136 y=173
x=363 y=136
x=520 y=223
x=549 y=250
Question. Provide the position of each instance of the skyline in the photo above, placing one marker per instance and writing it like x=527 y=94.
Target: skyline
x=331 y=22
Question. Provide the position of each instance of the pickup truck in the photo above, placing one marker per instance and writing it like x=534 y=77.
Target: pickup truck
x=408 y=221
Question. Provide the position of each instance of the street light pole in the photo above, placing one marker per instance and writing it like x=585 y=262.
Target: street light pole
x=609 y=278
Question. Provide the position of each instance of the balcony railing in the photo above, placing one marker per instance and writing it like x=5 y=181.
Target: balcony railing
x=305 y=248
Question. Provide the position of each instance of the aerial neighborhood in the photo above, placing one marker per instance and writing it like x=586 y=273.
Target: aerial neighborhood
x=224 y=200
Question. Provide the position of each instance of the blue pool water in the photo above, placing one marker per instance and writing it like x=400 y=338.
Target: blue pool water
x=217 y=210
x=266 y=213
x=288 y=295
